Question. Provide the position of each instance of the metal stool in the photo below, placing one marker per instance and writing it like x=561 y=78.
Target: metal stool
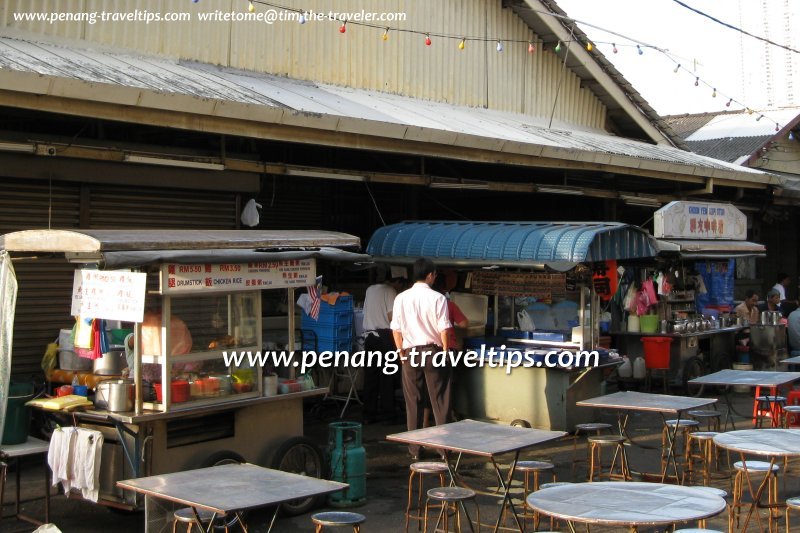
x=769 y=407
x=684 y=428
x=596 y=444
x=450 y=496
x=697 y=530
x=739 y=481
x=791 y=416
x=420 y=470
x=705 y=454
x=534 y=468
x=710 y=417
x=722 y=494
x=553 y=522
x=791 y=503
x=592 y=427
x=338 y=519
x=185 y=515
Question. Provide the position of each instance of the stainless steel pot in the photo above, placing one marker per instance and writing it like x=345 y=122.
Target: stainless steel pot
x=111 y=364
x=115 y=395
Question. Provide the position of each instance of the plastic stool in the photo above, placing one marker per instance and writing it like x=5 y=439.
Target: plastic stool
x=592 y=427
x=450 y=496
x=596 y=444
x=739 y=482
x=791 y=416
x=185 y=515
x=705 y=454
x=420 y=470
x=791 y=504
x=710 y=417
x=338 y=519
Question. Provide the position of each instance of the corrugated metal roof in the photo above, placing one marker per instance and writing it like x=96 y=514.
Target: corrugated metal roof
x=691 y=248
x=731 y=149
x=325 y=107
x=510 y=243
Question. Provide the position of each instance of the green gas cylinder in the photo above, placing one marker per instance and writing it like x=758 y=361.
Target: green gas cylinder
x=348 y=461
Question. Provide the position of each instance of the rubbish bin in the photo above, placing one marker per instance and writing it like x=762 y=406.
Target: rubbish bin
x=18 y=416
x=348 y=461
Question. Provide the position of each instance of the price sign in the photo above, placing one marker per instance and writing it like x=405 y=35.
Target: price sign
x=109 y=294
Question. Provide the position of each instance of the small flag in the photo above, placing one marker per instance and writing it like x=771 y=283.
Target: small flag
x=316 y=301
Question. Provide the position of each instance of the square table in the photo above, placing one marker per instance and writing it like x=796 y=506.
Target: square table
x=753 y=378
x=32 y=446
x=662 y=404
x=482 y=439
x=231 y=489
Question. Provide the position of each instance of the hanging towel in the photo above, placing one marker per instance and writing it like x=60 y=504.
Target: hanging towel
x=86 y=463
x=83 y=333
x=59 y=456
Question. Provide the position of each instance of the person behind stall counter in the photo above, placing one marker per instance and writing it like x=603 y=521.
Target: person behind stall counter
x=773 y=302
x=748 y=309
x=783 y=282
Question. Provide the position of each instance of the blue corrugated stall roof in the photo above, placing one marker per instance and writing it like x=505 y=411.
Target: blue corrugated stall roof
x=510 y=243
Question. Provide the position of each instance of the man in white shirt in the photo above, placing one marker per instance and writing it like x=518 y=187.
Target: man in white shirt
x=379 y=387
x=783 y=282
x=420 y=327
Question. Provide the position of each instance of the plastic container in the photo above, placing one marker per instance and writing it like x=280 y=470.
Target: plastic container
x=270 y=385
x=80 y=390
x=633 y=323
x=648 y=323
x=180 y=391
x=118 y=335
x=639 y=368
x=656 y=351
x=18 y=416
x=625 y=370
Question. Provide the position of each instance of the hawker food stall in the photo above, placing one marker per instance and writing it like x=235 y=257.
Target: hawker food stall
x=529 y=287
x=190 y=297
x=693 y=280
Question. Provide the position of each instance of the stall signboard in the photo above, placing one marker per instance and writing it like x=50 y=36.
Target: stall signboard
x=699 y=220
x=543 y=287
x=109 y=294
x=231 y=277
x=605 y=279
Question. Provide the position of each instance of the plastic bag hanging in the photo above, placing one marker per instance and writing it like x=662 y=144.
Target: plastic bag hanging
x=250 y=216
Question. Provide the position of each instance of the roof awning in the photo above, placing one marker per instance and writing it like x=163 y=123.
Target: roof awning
x=113 y=260
x=710 y=249
x=558 y=245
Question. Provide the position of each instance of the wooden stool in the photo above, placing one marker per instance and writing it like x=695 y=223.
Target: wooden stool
x=596 y=444
x=791 y=504
x=185 y=515
x=338 y=519
x=710 y=417
x=420 y=470
x=705 y=454
x=450 y=496
x=739 y=482
x=592 y=427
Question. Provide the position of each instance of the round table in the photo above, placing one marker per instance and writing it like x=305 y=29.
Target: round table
x=619 y=503
x=772 y=443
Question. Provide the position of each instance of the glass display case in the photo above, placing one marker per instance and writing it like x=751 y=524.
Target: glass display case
x=193 y=341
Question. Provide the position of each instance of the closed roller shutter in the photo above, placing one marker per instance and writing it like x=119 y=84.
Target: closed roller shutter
x=45 y=284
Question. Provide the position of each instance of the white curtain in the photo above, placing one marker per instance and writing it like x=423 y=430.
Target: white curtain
x=8 y=300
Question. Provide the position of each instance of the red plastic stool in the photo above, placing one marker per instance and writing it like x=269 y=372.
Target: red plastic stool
x=793 y=398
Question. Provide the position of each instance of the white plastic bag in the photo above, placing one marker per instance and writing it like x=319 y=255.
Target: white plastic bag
x=525 y=321
x=250 y=216
x=47 y=528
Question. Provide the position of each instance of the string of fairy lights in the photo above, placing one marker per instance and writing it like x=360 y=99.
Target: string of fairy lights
x=427 y=38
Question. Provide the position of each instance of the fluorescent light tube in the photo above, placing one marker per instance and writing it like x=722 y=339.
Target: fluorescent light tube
x=183 y=163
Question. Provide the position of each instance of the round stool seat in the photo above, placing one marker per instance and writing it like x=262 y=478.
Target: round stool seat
x=450 y=494
x=703 y=435
x=554 y=484
x=712 y=490
x=791 y=408
x=772 y=399
x=428 y=467
x=592 y=426
x=534 y=466
x=703 y=413
x=338 y=518
x=755 y=466
x=794 y=503
x=186 y=515
x=682 y=423
x=605 y=439
x=697 y=531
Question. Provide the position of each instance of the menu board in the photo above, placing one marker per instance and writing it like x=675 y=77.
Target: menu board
x=543 y=287
x=231 y=277
x=109 y=294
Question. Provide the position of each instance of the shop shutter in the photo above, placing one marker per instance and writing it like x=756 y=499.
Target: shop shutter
x=45 y=285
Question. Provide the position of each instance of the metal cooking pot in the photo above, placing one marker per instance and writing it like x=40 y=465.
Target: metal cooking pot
x=111 y=364
x=115 y=395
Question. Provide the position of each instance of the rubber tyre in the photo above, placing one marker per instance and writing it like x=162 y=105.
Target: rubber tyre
x=226 y=458
x=520 y=423
x=694 y=368
x=299 y=455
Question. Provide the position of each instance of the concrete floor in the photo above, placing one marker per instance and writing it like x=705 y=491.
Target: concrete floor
x=386 y=483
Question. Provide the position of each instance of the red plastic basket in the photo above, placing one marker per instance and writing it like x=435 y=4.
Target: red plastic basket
x=656 y=352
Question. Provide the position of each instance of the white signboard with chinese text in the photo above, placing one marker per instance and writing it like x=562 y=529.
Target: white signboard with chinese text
x=109 y=294
x=230 y=277
x=699 y=220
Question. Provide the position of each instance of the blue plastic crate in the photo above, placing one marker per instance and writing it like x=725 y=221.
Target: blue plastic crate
x=329 y=331
x=325 y=344
x=342 y=302
x=332 y=317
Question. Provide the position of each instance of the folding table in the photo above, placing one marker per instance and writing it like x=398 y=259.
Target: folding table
x=482 y=439
x=32 y=446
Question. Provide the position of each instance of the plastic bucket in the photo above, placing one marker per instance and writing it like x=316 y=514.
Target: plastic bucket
x=656 y=351
x=648 y=323
x=18 y=416
x=742 y=388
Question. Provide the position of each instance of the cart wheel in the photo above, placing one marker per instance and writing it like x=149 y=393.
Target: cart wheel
x=694 y=368
x=223 y=458
x=520 y=423
x=299 y=455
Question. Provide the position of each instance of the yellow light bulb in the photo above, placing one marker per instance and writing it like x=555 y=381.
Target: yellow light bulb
x=385 y=34
x=462 y=44
x=251 y=7
x=589 y=47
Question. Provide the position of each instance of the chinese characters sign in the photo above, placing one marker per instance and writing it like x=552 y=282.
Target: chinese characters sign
x=540 y=286
x=700 y=220
x=605 y=279
x=229 y=277
x=109 y=294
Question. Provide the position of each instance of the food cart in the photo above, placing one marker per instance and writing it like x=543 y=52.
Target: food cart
x=703 y=237
x=203 y=297
x=507 y=270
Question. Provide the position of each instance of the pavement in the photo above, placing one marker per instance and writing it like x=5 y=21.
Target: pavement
x=387 y=479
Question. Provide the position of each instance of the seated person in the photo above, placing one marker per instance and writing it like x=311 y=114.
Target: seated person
x=773 y=302
x=748 y=309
